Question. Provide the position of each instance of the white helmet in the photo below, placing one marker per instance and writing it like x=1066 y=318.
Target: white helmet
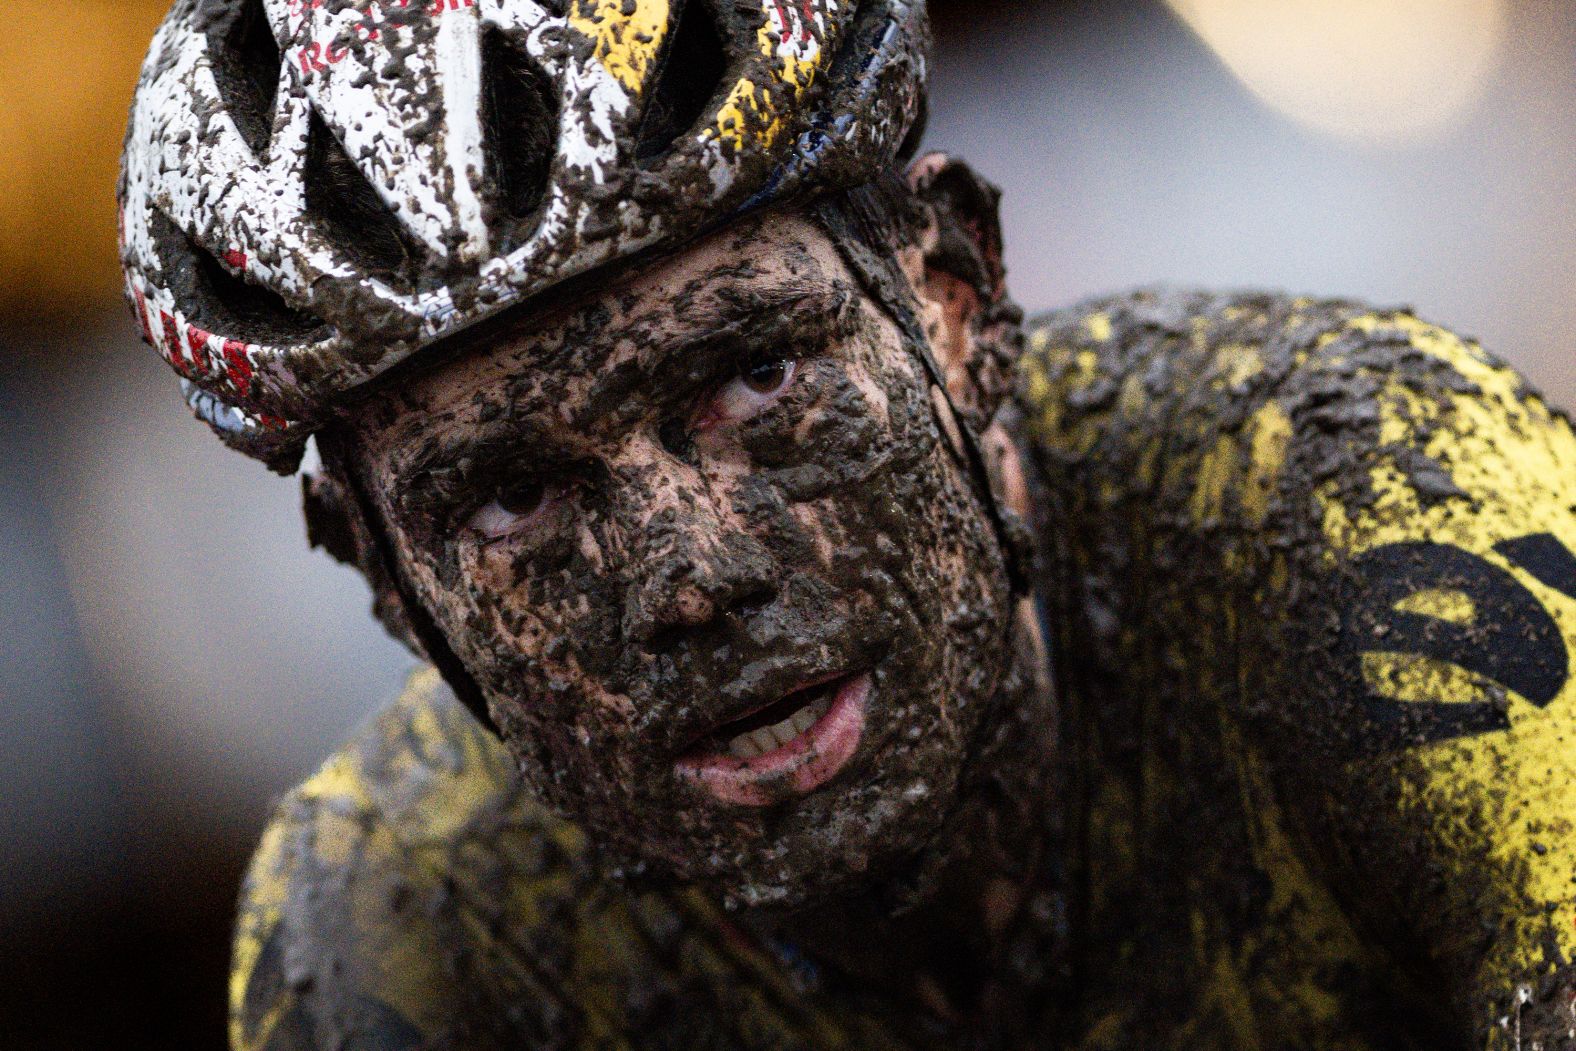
x=314 y=190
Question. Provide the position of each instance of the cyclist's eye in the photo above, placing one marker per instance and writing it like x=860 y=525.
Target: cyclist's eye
x=755 y=387
x=515 y=509
x=767 y=377
x=522 y=500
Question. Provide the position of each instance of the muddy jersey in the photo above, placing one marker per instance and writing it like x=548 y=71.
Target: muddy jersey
x=1311 y=575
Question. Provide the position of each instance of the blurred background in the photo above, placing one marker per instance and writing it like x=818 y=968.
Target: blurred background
x=172 y=657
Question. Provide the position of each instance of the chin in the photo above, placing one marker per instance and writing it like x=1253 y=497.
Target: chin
x=878 y=845
x=880 y=826
x=877 y=842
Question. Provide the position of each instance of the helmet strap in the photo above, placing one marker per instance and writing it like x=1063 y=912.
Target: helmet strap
x=428 y=635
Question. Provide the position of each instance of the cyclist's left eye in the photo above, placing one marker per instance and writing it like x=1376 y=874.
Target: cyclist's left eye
x=755 y=387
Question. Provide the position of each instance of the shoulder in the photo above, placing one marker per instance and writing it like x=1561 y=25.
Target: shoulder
x=1408 y=488
x=1264 y=391
x=374 y=905
x=1257 y=344
x=1148 y=348
x=1374 y=518
x=1398 y=428
x=1120 y=318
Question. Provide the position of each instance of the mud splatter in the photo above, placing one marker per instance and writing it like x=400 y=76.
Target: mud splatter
x=830 y=533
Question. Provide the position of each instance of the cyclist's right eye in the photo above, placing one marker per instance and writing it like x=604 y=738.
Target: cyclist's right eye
x=517 y=508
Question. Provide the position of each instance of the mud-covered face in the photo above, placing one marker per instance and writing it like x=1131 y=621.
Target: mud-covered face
x=735 y=603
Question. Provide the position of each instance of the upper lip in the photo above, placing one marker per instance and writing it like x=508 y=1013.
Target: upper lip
x=709 y=732
x=678 y=724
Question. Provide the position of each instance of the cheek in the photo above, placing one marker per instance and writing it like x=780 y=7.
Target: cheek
x=854 y=429
x=929 y=522
x=558 y=716
x=819 y=539
x=521 y=622
x=859 y=480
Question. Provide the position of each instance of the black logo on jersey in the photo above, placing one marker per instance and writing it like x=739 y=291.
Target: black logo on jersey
x=1512 y=640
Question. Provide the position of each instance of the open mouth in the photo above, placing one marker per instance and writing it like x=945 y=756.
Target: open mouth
x=775 y=725
x=788 y=748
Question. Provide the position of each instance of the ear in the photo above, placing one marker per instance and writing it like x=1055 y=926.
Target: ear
x=955 y=267
x=334 y=522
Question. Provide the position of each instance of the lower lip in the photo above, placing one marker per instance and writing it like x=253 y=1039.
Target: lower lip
x=795 y=769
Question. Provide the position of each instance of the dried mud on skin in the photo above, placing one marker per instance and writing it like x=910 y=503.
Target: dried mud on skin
x=837 y=520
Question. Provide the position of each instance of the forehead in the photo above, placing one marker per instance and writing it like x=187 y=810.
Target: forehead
x=769 y=267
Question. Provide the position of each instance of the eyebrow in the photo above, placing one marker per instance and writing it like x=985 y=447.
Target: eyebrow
x=791 y=314
x=784 y=316
x=731 y=307
x=435 y=476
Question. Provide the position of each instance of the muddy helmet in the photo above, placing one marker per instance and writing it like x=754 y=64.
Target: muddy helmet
x=313 y=191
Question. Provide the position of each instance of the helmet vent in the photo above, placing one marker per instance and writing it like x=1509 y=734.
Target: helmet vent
x=689 y=77
x=246 y=62
x=358 y=221
x=212 y=298
x=519 y=126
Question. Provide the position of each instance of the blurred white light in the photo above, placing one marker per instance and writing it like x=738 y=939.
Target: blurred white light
x=1383 y=71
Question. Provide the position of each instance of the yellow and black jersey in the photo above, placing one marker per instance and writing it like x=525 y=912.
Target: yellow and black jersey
x=1310 y=571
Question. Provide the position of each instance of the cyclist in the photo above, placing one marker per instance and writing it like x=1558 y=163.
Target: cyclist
x=820 y=655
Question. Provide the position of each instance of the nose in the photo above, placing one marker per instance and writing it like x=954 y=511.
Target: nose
x=694 y=582
x=695 y=564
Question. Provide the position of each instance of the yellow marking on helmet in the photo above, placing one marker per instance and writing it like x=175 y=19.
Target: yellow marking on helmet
x=628 y=35
x=1502 y=801
x=756 y=111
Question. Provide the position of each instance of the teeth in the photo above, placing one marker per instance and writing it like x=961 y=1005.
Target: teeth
x=770 y=738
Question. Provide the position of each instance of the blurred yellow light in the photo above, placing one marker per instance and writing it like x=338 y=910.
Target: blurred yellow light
x=1388 y=71
x=67 y=70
